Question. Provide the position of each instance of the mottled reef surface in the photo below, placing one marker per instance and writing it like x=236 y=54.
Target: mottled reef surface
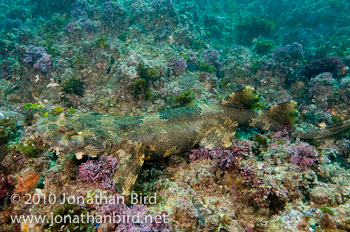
x=136 y=58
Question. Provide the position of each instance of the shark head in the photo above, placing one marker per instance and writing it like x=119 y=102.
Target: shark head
x=75 y=134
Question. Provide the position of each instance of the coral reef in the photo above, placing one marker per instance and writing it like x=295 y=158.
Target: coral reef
x=59 y=59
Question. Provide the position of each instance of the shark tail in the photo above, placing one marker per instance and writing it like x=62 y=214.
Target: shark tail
x=336 y=131
x=282 y=115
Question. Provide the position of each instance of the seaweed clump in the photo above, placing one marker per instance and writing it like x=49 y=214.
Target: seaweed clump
x=263 y=47
x=30 y=148
x=141 y=86
x=72 y=211
x=254 y=27
x=8 y=130
x=185 y=98
x=102 y=42
x=148 y=73
x=73 y=86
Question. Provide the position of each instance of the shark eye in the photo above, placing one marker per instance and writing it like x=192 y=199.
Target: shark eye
x=64 y=129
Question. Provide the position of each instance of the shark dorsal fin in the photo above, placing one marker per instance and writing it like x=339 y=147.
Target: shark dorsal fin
x=246 y=98
x=285 y=113
x=277 y=117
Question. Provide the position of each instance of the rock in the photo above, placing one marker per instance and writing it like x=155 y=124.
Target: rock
x=322 y=196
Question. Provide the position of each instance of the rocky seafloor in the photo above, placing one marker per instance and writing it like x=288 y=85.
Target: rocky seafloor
x=129 y=58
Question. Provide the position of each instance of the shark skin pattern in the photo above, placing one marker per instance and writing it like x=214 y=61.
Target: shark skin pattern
x=132 y=140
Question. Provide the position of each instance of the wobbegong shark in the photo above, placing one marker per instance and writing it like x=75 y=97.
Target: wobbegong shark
x=134 y=139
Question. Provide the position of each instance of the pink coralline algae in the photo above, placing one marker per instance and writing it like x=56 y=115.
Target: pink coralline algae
x=113 y=14
x=304 y=155
x=37 y=55
x=178 y=64
x=141 y=212
x=83 y=24
x=323 y=89
x=343 y=147
x=99 y=171
x=291 y=53
x=228 y=158
x=332 y=64
x=212 y=56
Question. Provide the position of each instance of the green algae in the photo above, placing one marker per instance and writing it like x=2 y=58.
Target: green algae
x=253 y=27
x=263 y=47
x=73 y=86
x=139 y=86
x=148 y=73
x=33 y=106
x=328 y=210
x=57 y=110
x=72 y=211
x=79 y=62
x=71 y=110
x=185 y=98
x=206 y=67
x=102 y=42
x=8 y=130
x=29 y=148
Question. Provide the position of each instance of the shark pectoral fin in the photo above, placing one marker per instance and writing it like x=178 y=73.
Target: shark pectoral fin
x=219 y=135
x=131 y=159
